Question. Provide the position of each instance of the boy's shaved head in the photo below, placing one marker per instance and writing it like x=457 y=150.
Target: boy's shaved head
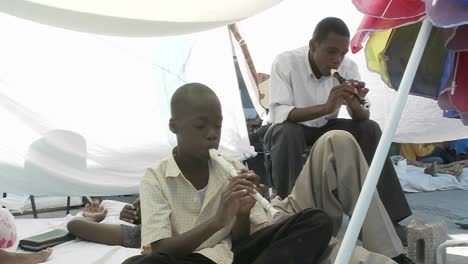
x=187 y=97
x=196 y=120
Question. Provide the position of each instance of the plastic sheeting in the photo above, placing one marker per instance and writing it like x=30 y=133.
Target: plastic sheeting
x=268 y=36
x=130 y=18
x=413 y=179
x=20 y=203
x=422 y=120
x=85 y=115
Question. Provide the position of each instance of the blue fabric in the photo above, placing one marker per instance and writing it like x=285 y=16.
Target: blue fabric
x=462 y=1
x=460 y=146
x=448 y=65
x=451 y=114
x=437 y=160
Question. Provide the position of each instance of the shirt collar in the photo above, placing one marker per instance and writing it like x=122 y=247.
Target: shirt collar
x=309 y=68
x=307 y=63
x=172 y=169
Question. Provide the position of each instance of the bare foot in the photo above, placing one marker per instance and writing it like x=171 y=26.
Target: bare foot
x=20 y=258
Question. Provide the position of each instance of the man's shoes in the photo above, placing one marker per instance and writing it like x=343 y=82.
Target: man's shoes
x=402 y=232
x=403 y=259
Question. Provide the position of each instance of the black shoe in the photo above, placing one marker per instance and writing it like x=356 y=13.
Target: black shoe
x=403 y=259
x=402 y=232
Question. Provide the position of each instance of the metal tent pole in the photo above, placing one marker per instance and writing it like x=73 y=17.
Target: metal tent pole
x=373 y=174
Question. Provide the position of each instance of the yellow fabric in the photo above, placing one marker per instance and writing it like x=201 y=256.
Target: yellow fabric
x=374 y=51
x=170 y=205
x=411 y=151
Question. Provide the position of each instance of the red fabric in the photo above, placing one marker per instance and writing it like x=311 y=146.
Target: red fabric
x=455 y=38
x=387 y=14
x=369 y=24
x=391 y=9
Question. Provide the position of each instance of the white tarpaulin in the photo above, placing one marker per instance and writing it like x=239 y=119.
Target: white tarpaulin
x=421 y=121
x=85 y=115
x=136 y=18
x=413 y=179
x=290 y=25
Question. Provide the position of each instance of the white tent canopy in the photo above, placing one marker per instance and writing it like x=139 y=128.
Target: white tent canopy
x=108 y=98
x=113 y=92
x=290 y=24
x=141 y=18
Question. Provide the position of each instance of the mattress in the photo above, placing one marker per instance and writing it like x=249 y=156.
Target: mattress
x=76 y=251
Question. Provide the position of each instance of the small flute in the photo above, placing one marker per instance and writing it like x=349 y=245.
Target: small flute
x=275 y=214
x=364 y=103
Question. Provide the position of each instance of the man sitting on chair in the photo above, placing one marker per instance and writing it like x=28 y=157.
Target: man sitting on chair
x=304 y=102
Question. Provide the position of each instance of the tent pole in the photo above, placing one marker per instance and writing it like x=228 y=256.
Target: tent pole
x=373 y=174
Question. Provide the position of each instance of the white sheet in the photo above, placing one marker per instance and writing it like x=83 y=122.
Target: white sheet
x=113 y=93
x=20 y=203
x=413 y=179
x=125 y=18
x=77 y=251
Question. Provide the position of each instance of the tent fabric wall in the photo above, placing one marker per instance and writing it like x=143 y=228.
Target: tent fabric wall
x=137 y=19
x=267 y=35
x=114 y=93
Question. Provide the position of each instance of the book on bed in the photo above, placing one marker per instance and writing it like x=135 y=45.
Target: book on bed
x=46 y=240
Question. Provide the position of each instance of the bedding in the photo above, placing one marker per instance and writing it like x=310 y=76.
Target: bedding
x=413 y=179
x=77 y=251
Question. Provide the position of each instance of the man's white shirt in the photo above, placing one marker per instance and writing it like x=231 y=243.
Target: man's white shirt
x=294 y=85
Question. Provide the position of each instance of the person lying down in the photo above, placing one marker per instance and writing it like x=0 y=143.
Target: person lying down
x=89 y=227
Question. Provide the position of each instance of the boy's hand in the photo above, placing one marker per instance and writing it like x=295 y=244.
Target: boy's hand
x=235 y=199
x=248 y=202
x=94 y=211
x=131 y=213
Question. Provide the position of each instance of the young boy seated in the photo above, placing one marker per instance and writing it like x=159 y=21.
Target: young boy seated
x=194 y=212
x=89 y=227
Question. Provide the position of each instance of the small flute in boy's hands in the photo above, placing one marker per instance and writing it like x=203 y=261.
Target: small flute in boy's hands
x=275 y=214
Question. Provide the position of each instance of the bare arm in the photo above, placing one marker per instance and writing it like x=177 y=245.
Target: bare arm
x=109 y=234
x=22 y=258
x=187 y=242
x=89 y=228
x=308 y=113
x=338 y=96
